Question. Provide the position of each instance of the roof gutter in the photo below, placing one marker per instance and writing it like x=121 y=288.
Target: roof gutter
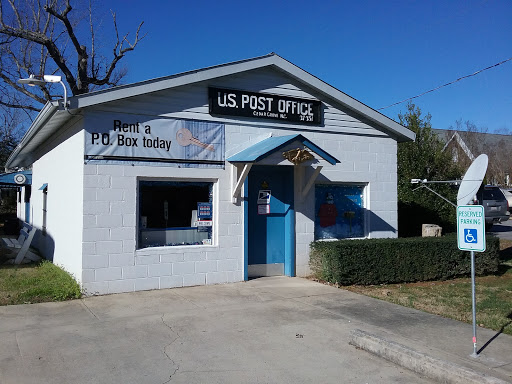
x=48 y=111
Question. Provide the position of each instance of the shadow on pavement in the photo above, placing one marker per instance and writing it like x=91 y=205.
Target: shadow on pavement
x=509 y=316
x=498 y=228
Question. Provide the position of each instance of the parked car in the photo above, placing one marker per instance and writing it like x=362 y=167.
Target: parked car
x=508 y=195
x=495 y=205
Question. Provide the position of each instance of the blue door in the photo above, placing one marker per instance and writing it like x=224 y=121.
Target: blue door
x=271 y=226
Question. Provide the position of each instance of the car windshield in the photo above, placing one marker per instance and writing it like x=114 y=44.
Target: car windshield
x=492 y=194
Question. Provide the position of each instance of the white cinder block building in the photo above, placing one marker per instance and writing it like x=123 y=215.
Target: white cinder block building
x=209 y=176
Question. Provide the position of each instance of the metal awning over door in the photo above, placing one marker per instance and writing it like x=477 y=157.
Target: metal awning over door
x=296 y=149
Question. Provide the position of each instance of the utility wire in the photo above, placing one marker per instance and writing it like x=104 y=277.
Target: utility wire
x=444 y=85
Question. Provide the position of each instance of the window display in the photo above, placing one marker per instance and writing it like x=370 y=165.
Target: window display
x=339 y=211
x=168 y=213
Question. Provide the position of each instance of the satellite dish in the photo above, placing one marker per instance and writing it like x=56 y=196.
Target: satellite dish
x=472 y=180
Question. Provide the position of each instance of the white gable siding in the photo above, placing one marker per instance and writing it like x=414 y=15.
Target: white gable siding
x=191 y=102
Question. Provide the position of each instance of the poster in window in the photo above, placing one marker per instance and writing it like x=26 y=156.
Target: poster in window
x=339 y=211
x=204 y=211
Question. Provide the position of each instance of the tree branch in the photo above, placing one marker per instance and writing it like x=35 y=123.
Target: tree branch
x=18 y=106
x=21 y=89
x=33 y=31
x=119 y=53
x=63 y=17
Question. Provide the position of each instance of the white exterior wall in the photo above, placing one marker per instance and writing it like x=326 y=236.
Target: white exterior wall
x=363 y=161
x=61 y=167
x=369 y=161
x=111 y=263
x=110 y=260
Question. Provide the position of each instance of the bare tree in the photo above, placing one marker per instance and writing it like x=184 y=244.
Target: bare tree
x=10 y=133
x=47 y=37
x=52 y=37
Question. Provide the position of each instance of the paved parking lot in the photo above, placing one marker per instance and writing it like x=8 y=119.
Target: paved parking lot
x=263 y=331
x=270 y=330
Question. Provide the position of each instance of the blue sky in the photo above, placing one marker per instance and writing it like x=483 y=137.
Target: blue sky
x=378 y=52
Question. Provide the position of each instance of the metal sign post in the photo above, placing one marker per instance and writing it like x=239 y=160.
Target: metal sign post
x=470 y=219
x=473 y=302
x=471 y=237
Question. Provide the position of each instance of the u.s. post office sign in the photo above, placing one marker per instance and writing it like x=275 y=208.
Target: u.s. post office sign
x=231 y=102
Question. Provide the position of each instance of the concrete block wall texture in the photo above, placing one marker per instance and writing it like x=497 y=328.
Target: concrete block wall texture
x=111 y=261
x=112 y=264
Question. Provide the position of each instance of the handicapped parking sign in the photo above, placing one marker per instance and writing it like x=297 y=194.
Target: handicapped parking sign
x=470 y=235
x=471 y=228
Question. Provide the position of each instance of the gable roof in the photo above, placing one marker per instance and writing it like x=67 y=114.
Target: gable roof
x=484 y=140
x=270 y=145
x=462 y=144
x=53 y=116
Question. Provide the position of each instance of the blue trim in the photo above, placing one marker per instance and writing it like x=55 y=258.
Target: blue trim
x=8 y=178
x=320 y=151
x=289 y=242
x=270 y=145
x=27 y=212
x=43 y=187
x=245 y=203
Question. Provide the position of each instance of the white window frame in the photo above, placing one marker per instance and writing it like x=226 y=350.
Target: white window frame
x=215 y=192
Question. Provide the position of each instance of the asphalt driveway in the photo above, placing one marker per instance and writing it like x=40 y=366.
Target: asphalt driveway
x=503 y=230
x=271 y=330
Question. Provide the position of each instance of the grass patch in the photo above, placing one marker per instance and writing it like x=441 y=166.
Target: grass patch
x=452 y=298
x=26 y=284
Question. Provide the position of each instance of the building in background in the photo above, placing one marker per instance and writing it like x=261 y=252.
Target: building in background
x=465 y=146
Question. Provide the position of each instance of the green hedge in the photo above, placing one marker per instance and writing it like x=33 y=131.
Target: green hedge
x=381 y=261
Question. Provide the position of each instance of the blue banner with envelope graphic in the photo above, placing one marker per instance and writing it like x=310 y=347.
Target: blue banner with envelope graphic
x=113 y=137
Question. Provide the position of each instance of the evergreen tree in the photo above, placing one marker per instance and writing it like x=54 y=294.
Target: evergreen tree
x=424 y=159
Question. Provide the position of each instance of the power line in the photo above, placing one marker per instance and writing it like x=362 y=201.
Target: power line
x=444 y=85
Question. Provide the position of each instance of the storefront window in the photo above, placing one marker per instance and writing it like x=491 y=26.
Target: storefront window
x=339 y=211
x=175 y=213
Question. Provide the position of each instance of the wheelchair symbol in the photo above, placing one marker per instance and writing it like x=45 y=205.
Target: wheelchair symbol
x=470 y=235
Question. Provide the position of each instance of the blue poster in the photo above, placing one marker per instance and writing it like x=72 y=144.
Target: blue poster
x=139 y=138
x=339 y=211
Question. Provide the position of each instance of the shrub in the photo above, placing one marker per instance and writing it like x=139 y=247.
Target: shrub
x=381 y=261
